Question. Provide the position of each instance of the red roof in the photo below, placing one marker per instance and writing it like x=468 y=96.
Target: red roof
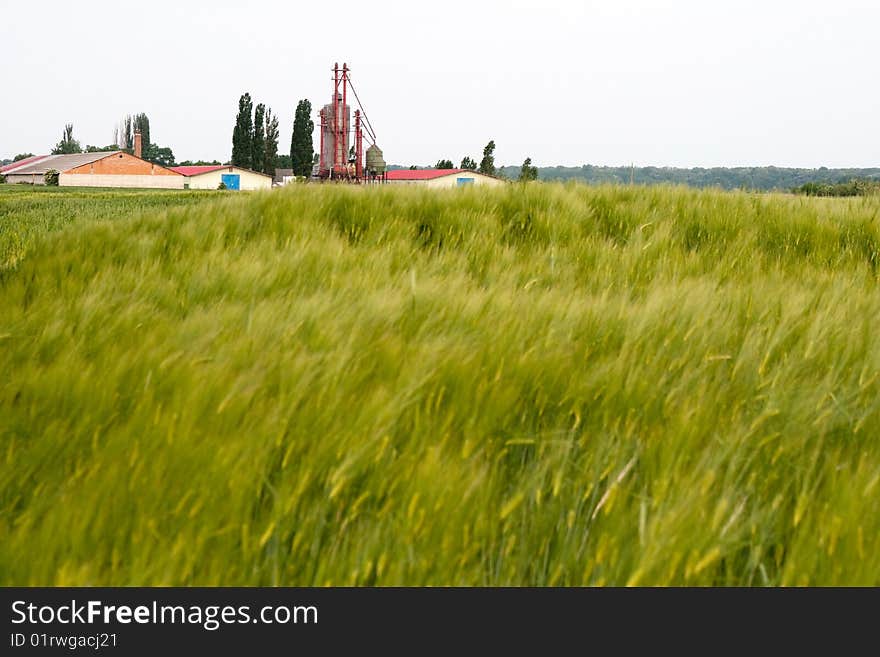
x=21 y=163
x=197 y=171
x=423 y=174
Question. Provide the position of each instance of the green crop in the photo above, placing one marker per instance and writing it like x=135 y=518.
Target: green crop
x=533 y=385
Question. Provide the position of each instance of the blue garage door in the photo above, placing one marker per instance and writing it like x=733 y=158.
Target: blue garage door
x=231 y=180
x=465 y=181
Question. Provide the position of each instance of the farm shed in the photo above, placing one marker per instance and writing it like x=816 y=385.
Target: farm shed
x=108 y=169
x=26 y=171
x=235 y=178
x=7 y=169
x=283 y=176
x=438 y=178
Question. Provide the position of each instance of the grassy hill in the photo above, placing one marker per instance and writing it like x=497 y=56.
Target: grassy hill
x=542 y=385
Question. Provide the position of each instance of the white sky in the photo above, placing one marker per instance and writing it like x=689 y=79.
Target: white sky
x=671 y=82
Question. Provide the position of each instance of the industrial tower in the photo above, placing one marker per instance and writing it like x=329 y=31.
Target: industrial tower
x=338 y=159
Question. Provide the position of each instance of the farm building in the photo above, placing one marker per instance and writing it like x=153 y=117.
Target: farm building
x=283 y=176
x=107 y=169
x=235 y=178
x=438 y=178
x=4 y=170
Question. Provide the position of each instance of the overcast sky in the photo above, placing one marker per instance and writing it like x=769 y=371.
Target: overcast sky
x=667 y=83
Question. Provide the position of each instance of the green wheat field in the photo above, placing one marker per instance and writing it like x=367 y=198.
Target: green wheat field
x=536 y=385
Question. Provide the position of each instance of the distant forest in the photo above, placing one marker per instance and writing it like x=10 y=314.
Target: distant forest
x=752 y=178
x=748 y=178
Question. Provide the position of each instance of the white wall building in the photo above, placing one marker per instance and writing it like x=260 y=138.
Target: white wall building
x=235 y=178
x=439 y=178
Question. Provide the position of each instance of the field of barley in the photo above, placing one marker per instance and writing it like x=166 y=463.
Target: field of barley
x=537 y=385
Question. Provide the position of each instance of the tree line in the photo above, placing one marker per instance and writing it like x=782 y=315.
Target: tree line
x=152 y=152
x=526 y=172
x=123 y=140
x=855 y=187
x=814 y=182
x=749 y=178
x=250 y=142
x=255 y=139
x=486 y=166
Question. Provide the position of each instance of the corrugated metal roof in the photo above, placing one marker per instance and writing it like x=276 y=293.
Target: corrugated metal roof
x=22 y=163
x=60 y=163
x=198 y=170
x=423 y=174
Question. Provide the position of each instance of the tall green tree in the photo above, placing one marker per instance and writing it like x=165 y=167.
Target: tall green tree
x=150 y=151
x=161 y=155
x=301 y=148
x=528 y=172
x=487 y=164
x=270 y=162
x=468 y=163
x=140 y=123
x=22 y=156
x=258 y=147
x=67 y=144
x=243 y=134
x=445 y=164
x=124 y=134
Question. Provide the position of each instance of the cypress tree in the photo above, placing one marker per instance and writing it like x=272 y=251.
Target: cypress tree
x=270 y=161
x=487 y=164
x=301 y=148
x=528 y=172
x=243 y=134
x=258 y=148
x=142 y=124
x=126 y=136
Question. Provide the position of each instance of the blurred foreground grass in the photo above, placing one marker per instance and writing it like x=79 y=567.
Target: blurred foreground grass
x=550 y=385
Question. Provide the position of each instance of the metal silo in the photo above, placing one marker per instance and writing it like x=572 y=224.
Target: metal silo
x=375 y=161
x=334 y=153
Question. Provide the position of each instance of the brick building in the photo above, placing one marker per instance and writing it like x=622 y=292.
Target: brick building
x=107 y=169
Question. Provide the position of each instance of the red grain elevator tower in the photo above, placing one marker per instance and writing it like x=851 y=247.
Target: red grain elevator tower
x=340 y=159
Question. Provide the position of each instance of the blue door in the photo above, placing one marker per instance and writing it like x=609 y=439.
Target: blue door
x=465 y=181
x=231 y=180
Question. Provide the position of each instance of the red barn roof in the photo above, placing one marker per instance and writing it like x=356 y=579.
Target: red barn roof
x=196 y=171
x=423 y=174
x=38 y=166
x=21 y=163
